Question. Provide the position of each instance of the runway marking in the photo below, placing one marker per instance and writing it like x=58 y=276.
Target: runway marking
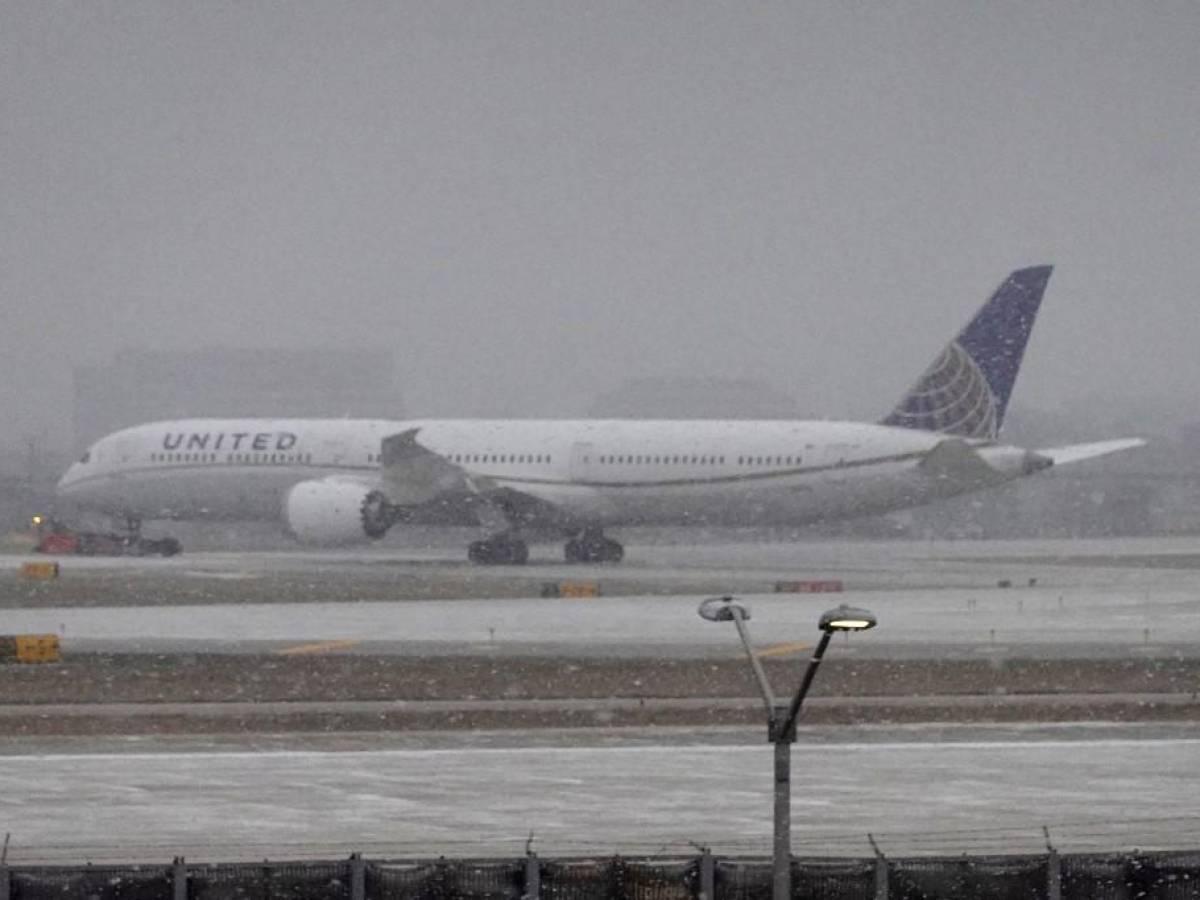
x=261 y=756
x=320 y=647
x=783 y=650
x=221 y=576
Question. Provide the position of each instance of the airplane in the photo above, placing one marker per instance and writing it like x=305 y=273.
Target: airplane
x=338 y=481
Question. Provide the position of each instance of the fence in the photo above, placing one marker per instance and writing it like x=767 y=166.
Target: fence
x=1154 y=876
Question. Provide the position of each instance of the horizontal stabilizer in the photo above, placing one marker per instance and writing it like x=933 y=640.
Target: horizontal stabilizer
x=954 y=459
x=1077 y=452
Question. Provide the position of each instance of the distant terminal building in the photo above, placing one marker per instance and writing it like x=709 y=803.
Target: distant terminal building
x=145 y=385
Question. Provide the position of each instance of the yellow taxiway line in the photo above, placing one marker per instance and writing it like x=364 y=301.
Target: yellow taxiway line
x=782 y=650
x=320 y=647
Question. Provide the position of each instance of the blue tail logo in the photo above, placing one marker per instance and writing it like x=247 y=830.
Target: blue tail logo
x=965 y=391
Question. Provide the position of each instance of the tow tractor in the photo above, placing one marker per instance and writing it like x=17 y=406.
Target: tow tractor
x=57 y=538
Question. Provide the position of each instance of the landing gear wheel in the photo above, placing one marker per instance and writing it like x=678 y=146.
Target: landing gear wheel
x=593 y=547
x=500 y=550
x=167 y=546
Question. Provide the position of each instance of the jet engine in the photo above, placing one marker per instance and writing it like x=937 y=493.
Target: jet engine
x=326 y=512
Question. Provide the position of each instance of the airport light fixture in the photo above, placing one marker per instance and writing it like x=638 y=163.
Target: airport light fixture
x=781 y=720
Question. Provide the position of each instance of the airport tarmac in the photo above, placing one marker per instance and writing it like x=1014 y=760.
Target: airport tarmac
x=1089 y=632
x=1134 y=598
x=917 y=789
x=390 y=573
x=1111 y=624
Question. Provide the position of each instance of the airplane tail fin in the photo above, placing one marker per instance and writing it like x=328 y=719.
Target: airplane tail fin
x=965 y=390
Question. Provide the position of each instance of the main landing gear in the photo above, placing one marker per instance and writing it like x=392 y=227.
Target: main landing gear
x=591 y=546
x=499 y=550
x=506 y=549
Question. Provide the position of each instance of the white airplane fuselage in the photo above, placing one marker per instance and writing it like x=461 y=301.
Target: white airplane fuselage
x=604 y=472
x=334 y=481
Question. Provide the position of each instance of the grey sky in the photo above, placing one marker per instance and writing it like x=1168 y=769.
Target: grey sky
x=531 y=202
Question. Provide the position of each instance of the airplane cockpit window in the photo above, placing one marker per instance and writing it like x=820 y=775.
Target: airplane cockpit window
x=87 y=456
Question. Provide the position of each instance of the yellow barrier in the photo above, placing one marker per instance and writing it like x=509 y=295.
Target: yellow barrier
x=39 y=571
x=38 y=648
x=575 y=589
x=579 y=589
x=30 y=648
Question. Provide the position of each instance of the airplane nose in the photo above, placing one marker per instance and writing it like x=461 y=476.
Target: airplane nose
x=65 y=484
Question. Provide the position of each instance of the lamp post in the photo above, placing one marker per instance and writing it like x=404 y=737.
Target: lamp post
x=781 y=720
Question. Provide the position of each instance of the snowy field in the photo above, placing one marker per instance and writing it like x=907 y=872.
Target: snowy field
x=983 y=790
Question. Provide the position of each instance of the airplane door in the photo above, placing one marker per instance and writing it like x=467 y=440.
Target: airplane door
x=581 y=461
x=126 y=447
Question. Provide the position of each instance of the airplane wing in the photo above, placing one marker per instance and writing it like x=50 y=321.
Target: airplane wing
x=434 y=490
x=414 y=474
x=1076 y=452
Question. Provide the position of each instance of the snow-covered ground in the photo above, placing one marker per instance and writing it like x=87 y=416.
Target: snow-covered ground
x=984 y=790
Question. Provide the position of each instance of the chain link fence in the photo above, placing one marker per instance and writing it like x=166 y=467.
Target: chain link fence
x=1147 y=876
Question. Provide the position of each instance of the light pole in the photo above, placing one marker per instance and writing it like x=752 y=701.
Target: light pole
x=781 y=720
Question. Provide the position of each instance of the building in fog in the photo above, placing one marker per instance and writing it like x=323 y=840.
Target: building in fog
x=145 y=385
x=695 y=397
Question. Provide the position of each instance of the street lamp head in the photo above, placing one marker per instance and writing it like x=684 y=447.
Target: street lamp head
x=722 y=609
x=847 y=618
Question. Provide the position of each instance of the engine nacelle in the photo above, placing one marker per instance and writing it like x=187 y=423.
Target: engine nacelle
x=328 y=512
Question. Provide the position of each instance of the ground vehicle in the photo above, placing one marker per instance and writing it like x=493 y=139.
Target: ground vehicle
x=56 y=538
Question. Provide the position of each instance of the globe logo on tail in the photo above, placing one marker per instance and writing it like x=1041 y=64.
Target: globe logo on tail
x=952 y=397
